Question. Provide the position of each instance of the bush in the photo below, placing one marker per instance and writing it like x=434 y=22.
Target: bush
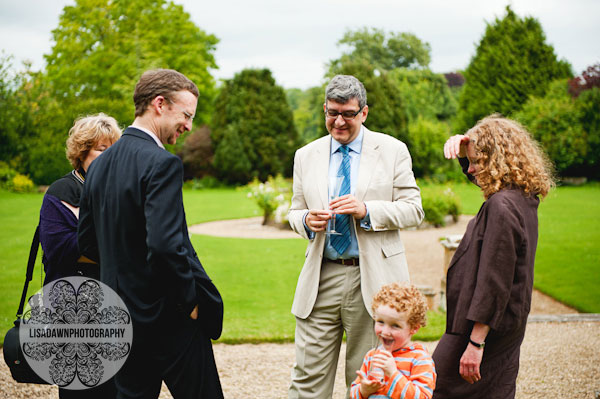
x=197 y=154
x=273 y=197
x=567 y=128
x=427 y=138
x=439 y=202
x=11 y=180
x=21 y=184
x=6 y=174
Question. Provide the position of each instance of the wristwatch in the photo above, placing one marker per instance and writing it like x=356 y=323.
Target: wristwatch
x=476 y=344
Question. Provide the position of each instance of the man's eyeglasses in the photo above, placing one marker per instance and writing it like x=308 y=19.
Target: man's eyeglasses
x=188 y=116
x=347 y=115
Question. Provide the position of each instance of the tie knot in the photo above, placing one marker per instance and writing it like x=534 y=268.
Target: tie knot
x=344 y=149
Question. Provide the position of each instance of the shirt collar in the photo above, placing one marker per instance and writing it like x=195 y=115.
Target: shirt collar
x=151 y=134
x=355 y=145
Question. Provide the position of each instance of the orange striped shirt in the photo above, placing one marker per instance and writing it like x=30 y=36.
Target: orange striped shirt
x=414 y=377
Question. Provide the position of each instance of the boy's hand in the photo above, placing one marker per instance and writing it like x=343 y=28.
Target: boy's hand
x=384 y=360
x=367 y=386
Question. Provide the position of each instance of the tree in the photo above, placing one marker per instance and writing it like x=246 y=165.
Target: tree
x=425 y=94
x=103 y=46
x=9 y=84
x=307 y=107
x=197 y=154
x=428 y=137
x=511 y=63
x=555 y=121
x=383 y=51
x=589 y=78
x=253 y=130
x=101 y=49
x=28 y=119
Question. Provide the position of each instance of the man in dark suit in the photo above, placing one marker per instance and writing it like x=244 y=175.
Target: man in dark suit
x=132 y=221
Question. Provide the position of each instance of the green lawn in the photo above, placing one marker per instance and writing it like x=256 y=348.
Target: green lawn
x=567 y=265
x=257 y=278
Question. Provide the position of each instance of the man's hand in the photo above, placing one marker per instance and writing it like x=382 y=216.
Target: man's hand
x=456 y=146
x=367 y=386
x=469 y=364
x=349 y=205
x=316 y=219
x=194 y=314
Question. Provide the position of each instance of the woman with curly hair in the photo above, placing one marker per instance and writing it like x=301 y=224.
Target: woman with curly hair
x=490 y=277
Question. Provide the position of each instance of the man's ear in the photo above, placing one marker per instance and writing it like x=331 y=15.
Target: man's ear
x=363 y=116
x=157 y=104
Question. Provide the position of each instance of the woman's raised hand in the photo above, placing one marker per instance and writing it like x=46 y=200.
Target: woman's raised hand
x=456 y=146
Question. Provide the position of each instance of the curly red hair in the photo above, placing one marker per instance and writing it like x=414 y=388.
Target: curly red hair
x=509 y=157
x=404 y=298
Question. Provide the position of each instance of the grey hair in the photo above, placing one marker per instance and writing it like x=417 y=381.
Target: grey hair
x=343 y=88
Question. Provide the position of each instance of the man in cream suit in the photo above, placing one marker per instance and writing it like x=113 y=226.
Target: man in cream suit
x=342 y=273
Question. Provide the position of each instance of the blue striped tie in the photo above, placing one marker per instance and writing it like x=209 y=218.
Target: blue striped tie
x=342 y=222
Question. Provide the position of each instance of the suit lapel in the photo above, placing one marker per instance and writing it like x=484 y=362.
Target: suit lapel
x=321 y=164
x=368 y=160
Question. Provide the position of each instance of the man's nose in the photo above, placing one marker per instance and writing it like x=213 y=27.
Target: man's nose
x=339 y=120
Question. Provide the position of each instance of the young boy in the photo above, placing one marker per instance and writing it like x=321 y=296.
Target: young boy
x=408 y=370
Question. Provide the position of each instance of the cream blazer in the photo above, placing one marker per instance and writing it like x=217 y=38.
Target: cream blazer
x=386 y=185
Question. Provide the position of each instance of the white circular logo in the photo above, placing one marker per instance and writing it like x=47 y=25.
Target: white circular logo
x=76 y=333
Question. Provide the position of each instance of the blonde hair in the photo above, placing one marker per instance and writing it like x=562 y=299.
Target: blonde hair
x=508 y=156
x=86 y=133
x=405 y=298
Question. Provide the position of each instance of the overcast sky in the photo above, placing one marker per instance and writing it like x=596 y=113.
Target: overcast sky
x=295 y=39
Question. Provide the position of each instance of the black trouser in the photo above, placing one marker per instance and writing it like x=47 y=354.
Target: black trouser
x=108 y=390
x=180 y=355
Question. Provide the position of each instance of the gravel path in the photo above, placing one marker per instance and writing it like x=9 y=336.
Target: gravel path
x=558 y=359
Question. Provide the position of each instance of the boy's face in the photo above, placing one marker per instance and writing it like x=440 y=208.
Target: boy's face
x=392 y=329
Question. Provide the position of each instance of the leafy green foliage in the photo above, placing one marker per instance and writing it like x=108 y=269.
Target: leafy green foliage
x=511 y=63
x=387 y=112
x=102 y=47
x=383 y=51
x=253 y=131
x=568 y=129
x=307 y=107
x=9 y=137
x=427 y=138
x=438 y=202
x=197 y=154
x=589 y=79
x=425 y=94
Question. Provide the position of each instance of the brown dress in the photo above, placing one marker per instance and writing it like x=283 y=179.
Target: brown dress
x=490 y=279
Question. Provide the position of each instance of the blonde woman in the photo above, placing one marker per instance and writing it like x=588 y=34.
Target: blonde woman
x=490 y=277
x=59 y=214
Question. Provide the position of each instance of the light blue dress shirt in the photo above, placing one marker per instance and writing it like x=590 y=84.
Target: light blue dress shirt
x=335 y=160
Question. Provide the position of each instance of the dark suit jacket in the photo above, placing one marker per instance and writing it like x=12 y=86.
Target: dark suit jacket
x=132 y=220
x=490 y=277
